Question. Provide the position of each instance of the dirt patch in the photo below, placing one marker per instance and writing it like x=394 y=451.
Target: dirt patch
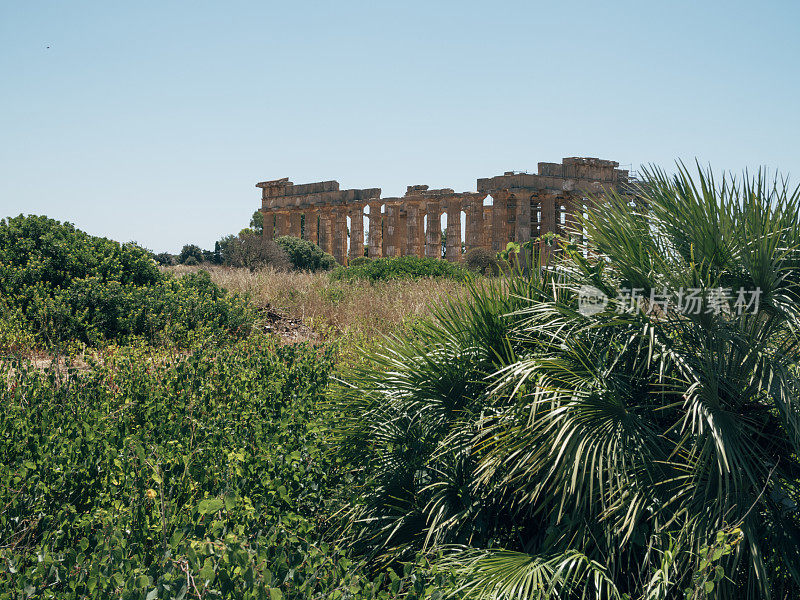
x=290 y=330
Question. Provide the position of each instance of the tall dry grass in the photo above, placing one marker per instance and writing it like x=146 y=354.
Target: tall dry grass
x=360 y=308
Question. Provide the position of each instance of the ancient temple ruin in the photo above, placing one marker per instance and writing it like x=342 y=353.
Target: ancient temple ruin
x=509 y=207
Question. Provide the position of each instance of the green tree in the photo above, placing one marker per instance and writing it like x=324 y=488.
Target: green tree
x=190 y=250
x=592 y=451
x=252 y=251
x=257 y=222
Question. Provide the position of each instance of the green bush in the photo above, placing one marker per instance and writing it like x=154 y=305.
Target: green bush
x=305 y=255
x=403 y=267
x=482 y=261
x=154 y=476
x=64 y=285
x=358 y=260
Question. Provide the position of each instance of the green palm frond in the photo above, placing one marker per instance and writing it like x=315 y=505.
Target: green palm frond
x=603 y=453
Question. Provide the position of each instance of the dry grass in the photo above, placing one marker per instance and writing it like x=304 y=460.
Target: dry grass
x=360 y=308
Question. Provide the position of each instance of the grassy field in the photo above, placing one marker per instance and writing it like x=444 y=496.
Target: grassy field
x=353 y=308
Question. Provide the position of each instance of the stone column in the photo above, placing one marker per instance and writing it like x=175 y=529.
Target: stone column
x=401 y=231
x=548 y=224
x=574 y=203
x=511 y=218
x=474 y=228
x=282 y=222
x=392 y=219
x=433 y=235
x=453 y=250
x=269 y=224
x=356 y=231
x=375 y=233
x=486 y=234
x=311 y=226
x=499 y=220
x=295 y=223
x=416 y=229
x=339 y=218
x=522 y=230
x=326 y=230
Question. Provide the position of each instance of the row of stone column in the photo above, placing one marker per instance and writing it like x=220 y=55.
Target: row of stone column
x=326 y=227
x=394 y=233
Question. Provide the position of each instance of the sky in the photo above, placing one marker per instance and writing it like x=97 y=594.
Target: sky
x=153 y=121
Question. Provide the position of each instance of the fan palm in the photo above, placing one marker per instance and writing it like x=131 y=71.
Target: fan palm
x=648 y=449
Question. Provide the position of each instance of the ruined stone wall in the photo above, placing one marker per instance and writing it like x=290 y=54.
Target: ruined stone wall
x=523 y=206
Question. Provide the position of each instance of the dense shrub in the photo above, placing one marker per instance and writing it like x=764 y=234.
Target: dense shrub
x=358 y=260
x=305 y=255
x=252 y=251
x=403 y=267
x=36 y=249
x=153 y=476
x=481 y=260
x=60 y=285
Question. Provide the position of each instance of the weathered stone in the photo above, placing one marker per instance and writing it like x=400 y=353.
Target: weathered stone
x=525 y=206
x=375 y=230
x=433 y=234
x=453 y=248
x=311 y=226
x=356 y=231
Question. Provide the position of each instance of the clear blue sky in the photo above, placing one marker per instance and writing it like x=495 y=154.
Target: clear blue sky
x=152 y=121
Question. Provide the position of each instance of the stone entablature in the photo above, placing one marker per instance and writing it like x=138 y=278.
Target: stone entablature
x=524 y=206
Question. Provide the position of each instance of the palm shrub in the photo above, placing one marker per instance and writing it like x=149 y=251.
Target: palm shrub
x=636 y=451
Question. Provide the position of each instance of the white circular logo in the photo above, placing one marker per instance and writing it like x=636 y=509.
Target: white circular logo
x=591 y=300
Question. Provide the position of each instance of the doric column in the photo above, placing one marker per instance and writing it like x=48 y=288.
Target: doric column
x=574 y=204
x=295 y=219
x=339 y=217
x=326 y=230
x=522 y=230
x=433 y=235
x=282 y=221
x=401 y=231
x=375 y=233
x=474 y=227
x=269 y=224
x=356 y=231
x=511 y=217
x=499 y=220
x=311 y=226
x=548 y=201
x=392 y=221
x=453 y=250
x=415 y=228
